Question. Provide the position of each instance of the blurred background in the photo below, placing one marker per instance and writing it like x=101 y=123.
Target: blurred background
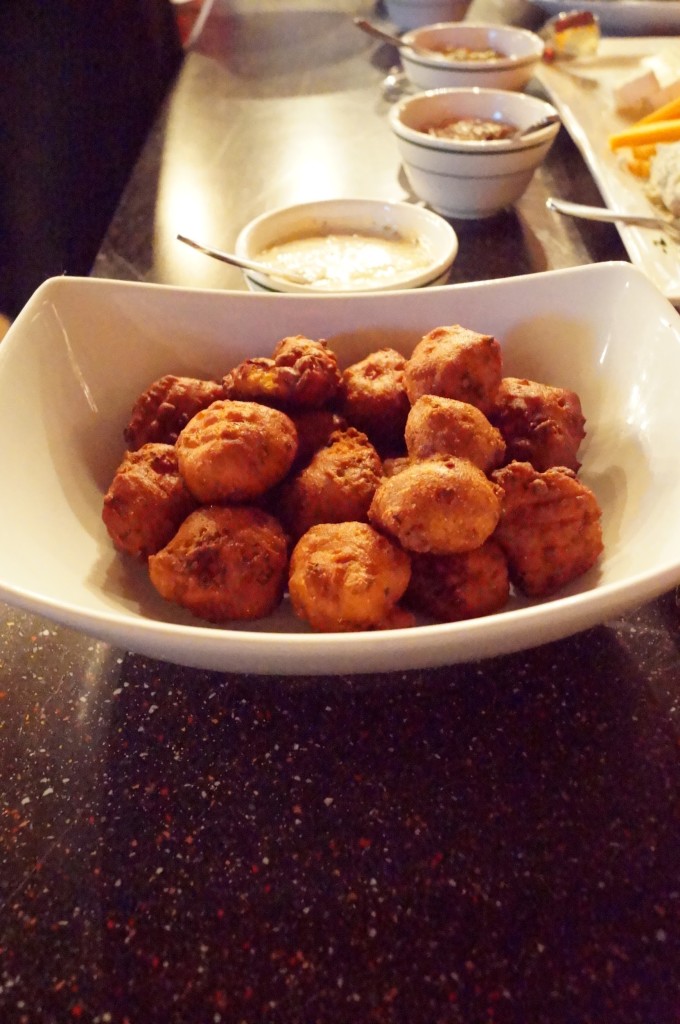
x=82 y=85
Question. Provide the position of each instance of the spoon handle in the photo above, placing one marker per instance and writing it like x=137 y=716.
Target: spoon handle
x=545 y=122
x=225 y=257
x=373 y=30
x=608 y=216
x=241 y=262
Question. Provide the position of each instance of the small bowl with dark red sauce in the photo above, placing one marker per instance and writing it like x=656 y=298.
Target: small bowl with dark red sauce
x=463 y=151
x=471 y=54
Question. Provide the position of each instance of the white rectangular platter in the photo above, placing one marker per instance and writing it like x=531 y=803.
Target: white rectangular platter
x=582 y=91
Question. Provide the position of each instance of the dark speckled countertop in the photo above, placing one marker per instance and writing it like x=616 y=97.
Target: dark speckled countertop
x=486 y=843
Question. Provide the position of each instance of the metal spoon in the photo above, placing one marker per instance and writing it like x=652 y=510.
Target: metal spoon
x=243 y=263
x=387 y=37
x=384 y=37
x=612 y=216
x=538 y=125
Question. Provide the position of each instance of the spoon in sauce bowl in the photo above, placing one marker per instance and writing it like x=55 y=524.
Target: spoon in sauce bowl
x=244 y=264
x=538 y=125
x=400 y=44
x=387 y=37
x=379 y=33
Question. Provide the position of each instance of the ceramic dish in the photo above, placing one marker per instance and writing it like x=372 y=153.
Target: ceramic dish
x=83 y=349
x=583 y=94
x=521 y=49
x=470 y=179
x=623 y=17
x=427 y=239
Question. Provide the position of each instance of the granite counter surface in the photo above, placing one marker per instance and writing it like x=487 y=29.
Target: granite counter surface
x=481 y=843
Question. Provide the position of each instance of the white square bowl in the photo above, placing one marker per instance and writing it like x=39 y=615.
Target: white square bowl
x=82 y=350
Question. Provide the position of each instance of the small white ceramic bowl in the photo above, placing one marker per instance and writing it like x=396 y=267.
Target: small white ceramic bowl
x=522 y=50
x=427 y=245
x=470 y=179
x=407 y=14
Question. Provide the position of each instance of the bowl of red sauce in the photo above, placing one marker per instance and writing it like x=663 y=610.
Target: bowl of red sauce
x=463 y=151
x=471 y=54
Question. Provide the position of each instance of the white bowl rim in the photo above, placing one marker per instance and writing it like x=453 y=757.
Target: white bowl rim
x=431 y=273
x=486 y=67
x=487 y=146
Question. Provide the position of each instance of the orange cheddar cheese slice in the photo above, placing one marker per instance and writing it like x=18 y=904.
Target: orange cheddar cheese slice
x=644 y=134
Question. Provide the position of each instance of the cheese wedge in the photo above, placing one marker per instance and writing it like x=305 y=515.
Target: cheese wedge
x=655 y=83
x=666 y=67
x=644 y=134
x=635 y=92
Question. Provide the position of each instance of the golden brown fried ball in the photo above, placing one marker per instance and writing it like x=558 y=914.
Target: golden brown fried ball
x=541 y=424
x=347 y=576
x=549 y=529
x=392 y=466
x=455 y=362
x=464 y=586
x=165 y=408
x=444 y=505
x=224 y=563
x=338 y=484
x=302 y=374
x=397 y=617
x=235 y=451
x=445 y=426
x=314 y=428
x=375 y=398
x=147 y=500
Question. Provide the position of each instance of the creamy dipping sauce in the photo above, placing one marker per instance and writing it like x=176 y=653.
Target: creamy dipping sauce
x=347 y=260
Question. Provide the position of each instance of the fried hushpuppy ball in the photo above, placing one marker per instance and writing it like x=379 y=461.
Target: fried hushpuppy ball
x=235 y=451
x=455 y=362
x=347 y=576
x=375 y=398
x=393 y=465
x=549 y=528
x=224 y=563
x=397 y=617
x=146 y=501
x=463 y=586
x=338 y=484
x=301 y=374
x=445 y=426
x=314 y=428
x=165 y=408
x=541 y=424
x=444 y=505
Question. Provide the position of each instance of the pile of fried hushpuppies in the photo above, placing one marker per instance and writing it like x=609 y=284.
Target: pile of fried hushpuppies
x=394 y=491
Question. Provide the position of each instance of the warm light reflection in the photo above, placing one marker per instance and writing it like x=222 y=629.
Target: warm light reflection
x=302 y=156
x=181 y=209
x=313 y=168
